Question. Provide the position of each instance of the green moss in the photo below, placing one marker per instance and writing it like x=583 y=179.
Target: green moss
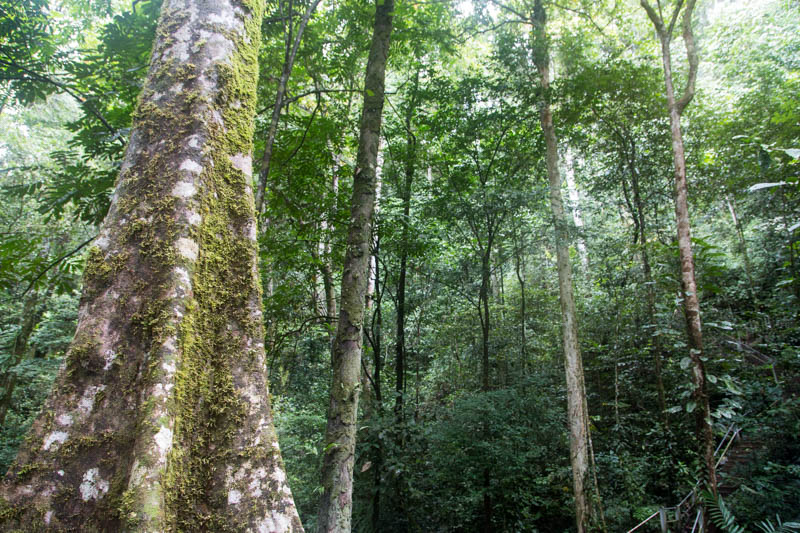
x=209 y=411
x=26 y=470
x=82 y=351
x=73 y=446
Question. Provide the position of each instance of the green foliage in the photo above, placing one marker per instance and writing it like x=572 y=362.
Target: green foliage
x=724 y=519
x=720 y=514
x=462 y=112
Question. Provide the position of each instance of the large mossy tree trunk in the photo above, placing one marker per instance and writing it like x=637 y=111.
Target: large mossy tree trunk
x=691 y=301
x=336 y=503
x=161 y=420
x=577 y=412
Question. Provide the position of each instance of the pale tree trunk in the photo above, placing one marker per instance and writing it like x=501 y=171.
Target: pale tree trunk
x=409 y=168
x=373 y=261
x=519 y=270
x=577 y=216
x=335 y=510
x=161 y=419
x=691 y=302
x=576 y=396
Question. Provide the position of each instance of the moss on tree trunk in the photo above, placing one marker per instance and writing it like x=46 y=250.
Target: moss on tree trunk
x=161 y=419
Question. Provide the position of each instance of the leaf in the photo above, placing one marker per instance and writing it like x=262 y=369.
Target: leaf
x=370 y=92
x=685 y=362
x=794 y=153
x=691 y=406
x=759 y=186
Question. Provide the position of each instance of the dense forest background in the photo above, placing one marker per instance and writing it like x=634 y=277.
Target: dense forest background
x=463 y=414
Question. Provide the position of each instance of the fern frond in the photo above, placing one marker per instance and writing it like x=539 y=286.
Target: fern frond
x=722 y=517
x=783 y=527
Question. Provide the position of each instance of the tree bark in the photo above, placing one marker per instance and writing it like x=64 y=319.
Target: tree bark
x=335 y=510
x=519 y=270
x=691 y=302
x=161 y=419
x=327 y=259
x=576 y=397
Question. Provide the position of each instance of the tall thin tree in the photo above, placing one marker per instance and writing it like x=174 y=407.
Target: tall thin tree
x=691 y=302
x=336 y=504
x=577 y=410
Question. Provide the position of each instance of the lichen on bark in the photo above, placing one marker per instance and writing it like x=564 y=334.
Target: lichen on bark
x=161 y=419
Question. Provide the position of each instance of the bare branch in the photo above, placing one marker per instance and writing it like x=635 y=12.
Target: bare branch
x=56 y=262
x=674 y=18
x=67 y=89
x=658 y=22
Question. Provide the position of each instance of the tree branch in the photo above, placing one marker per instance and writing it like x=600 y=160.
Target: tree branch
x=56 y=262
x=691 y=52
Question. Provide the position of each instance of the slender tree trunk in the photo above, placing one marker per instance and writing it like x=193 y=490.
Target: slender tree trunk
x=743 y=247
x=161 y=419
x=483 y=302
x=577 y=216
x=519 y=271
x=335 y=511
x=327 y=260
x=576 y=396
x=409 y=169
x=32 y=313
x=290 y=53
x=641 y=225
x=377 y=338
x=691 y=302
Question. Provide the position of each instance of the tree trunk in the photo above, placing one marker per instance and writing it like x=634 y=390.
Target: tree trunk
x=519 y=269
x=377 y=334
x=409 y=169
x=161 y=419
x=641 y=225
x=691 y=302
x=743 y=247
x=327 y=261
x=576 y=396
x=340 y=435
x=290 y=53
x=31 y=315
x=577 y=216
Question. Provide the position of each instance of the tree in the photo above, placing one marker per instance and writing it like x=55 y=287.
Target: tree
x=161 y=417
x=691 y=301
x=290 y=52
x=336 y=504
x=577 y=410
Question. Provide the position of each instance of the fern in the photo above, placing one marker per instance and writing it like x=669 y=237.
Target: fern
x=720 y=514
x=724 y=519
x=782 y=527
